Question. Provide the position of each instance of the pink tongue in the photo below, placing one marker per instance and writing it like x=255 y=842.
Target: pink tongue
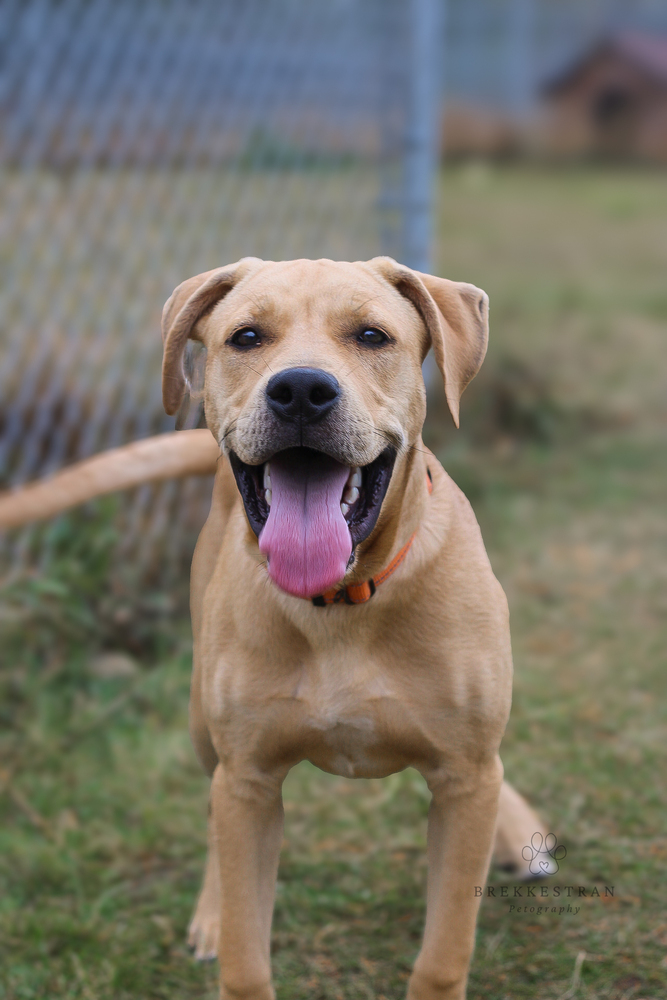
x=306 y=537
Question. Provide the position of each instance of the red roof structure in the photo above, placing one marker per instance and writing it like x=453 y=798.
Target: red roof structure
x=612 y=101
x=648 y=53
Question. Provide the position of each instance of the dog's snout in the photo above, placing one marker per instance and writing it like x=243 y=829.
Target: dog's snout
x=305 y=394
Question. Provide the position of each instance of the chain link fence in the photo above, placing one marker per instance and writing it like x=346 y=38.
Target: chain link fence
x=143 y=143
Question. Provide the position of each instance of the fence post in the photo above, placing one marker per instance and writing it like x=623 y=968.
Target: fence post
x=519 y=68
x=421 y=150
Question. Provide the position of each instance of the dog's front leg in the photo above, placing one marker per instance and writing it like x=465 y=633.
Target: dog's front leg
x=461 y=827
x=247 y=812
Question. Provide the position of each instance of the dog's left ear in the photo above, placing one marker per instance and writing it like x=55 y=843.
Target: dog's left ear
x=456 y=317
x=186 y=305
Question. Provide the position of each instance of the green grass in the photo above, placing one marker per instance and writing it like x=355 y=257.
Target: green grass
x=103 y=806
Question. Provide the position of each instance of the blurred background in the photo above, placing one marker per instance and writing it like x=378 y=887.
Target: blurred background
x=517 y=144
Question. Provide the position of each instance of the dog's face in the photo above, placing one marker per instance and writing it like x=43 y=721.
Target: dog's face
x=314 y=391
x=357 y=345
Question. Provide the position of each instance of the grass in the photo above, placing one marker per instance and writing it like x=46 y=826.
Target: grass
x=562 y=454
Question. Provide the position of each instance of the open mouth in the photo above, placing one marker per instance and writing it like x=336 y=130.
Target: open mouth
x=309 y=512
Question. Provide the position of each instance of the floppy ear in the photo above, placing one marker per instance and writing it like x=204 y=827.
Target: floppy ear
x=186 y=305
x=456 y=317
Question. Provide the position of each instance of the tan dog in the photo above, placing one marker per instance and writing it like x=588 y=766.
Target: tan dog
x=343 y=607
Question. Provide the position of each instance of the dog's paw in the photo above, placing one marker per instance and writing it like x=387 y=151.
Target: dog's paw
x=437 y=986
x=204 y=931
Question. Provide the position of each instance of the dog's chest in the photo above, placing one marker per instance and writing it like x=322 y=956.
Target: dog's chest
x=350 y=718
x=345 y=712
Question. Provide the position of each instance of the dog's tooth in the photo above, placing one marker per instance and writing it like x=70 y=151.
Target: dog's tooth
x=351 y=495
x=268 y=497
x=344 y=508
x=267 y=476
x=354 y=479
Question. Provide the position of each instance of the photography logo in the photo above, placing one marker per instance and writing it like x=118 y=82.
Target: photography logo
x=534 y=894
x=543 y=854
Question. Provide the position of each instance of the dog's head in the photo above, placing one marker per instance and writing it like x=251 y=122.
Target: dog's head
x=314 y=390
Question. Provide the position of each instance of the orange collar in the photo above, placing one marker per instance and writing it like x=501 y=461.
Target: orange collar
x=359 y=593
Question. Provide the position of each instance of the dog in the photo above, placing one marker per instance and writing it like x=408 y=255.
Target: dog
x=344 y=610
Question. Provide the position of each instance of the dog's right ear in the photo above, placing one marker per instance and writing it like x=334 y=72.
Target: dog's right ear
x=186 y=305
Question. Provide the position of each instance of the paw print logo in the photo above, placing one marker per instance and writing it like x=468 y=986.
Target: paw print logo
x=543 y=854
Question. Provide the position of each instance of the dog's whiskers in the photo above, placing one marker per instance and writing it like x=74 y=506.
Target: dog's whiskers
x=253 y=369
x=351 y=370
x=395 y=443
x=223 y=439
x=414 y=447
x=372 y=298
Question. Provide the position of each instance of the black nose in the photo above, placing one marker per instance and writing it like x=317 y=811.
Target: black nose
x=305 y=394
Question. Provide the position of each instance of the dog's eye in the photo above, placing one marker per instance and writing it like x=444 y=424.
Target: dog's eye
x=245 y=338
x=373 y=337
